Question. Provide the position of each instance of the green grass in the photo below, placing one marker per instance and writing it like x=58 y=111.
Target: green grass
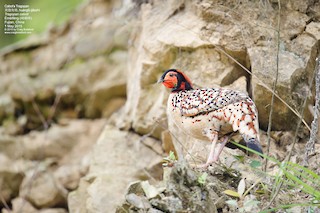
x=293 y=176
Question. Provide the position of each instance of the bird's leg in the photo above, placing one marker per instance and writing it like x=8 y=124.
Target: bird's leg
x=211 y=157
x=219 y=148
x=215 y=150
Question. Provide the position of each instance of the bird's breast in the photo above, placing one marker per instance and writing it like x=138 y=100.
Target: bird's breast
x=196 y=126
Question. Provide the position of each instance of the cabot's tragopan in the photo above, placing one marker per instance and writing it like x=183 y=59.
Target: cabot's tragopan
x=211 y=113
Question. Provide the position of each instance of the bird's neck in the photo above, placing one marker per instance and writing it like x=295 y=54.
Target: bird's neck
x=184 y=85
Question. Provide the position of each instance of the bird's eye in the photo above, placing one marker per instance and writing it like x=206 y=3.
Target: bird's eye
x=171 y=75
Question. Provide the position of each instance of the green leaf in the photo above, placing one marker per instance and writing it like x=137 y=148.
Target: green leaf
x=255 y=164
x=303 y=172
x=255 y=152
x=170 y=159
x=172 y=156
x=202 y=179
x=240 y=158
x=251 y=203
x=232 y=203
x=305 y=187
x=231 y=193
x=260 y=191
x=287 y=206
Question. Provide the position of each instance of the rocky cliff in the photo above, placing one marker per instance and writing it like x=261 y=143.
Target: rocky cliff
x=104 y=63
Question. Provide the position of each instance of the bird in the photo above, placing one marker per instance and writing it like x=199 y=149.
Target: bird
x=211 y=114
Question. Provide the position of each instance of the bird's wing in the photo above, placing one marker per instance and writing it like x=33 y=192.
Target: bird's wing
x=201 y=101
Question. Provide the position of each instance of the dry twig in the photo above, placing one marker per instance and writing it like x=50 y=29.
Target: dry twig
x=274 y=86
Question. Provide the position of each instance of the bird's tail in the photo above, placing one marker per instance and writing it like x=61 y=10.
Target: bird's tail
x=253 y=143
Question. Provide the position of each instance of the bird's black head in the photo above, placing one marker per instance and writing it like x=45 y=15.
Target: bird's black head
x=175 y=80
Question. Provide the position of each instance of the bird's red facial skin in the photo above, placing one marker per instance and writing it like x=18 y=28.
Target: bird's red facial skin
x=170 y=80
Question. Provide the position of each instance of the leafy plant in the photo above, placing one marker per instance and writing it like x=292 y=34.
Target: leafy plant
x=203 y=178
x=170 y=160
x=242 y=205
x=304 y=177
x=293 y=175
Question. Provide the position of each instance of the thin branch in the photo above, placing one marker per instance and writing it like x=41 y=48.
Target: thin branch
x=40 y=115
x=274 y=87
x=53 y=109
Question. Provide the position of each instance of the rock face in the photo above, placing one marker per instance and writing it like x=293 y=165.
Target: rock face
x=35 y=185
x=38 y=169
x=19 y=204
x=180 y=191
x=105 y=61
x=10 y=178
x=118 y=158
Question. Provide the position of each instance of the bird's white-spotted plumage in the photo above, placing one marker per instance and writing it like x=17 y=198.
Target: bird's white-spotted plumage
x=222 y=110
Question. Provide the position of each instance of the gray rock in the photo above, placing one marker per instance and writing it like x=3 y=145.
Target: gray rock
x=53 y=210
x=36 y=184
x=76 y=198
x=57 y=142
x=138 y=201
x=19 y=204
x=10 y=178
x=69 y=176
x=135 y=188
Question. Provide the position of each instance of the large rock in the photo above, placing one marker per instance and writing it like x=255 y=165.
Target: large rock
x=118 y=158
x=11 y=177
x=180 y=190
x=92 y=89
x=20 y=204
x=295 y=66
x=57 y=142
x=297 y=53
x=64 y=151
x=42 y=190
x=77 y=199
x=294 y=74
